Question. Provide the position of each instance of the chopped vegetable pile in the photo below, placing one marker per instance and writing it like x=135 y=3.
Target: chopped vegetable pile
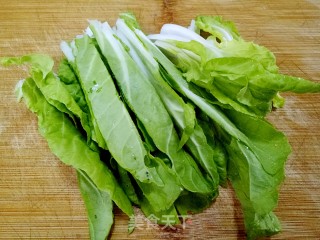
x=161 y=121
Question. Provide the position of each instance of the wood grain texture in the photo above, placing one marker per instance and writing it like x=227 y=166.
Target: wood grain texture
x=39 y=196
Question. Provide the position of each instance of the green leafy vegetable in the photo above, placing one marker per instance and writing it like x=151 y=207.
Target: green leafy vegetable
x=180 y=111
x=256 y=174
x=161 y=121
x=191 y=203
x=126 y=184
x=217 y=27
x=99 y=207
x=265 y=155
x=147 y=139
x=71 y=83
x=160 y=217
x=66 y=142
x=67 y=70
x=161 y=197
x=113 y=120
x=148 y=107
x=69 y=80
x=52 y=89
x=239 y=74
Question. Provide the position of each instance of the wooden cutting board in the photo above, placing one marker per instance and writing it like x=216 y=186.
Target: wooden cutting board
x=39 y=196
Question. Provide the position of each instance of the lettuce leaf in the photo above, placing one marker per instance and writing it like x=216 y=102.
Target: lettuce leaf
x=159 y=217
x=150 y=146
x=56 y=92
x=41 y=72
x=180 y=111
x=67 y=143
x=217 y=27
x=179 y=115
x=219 y=153
x=252 y=143
x=126 y=183
x=161 y=197
x=192 y=203
x=256 y=173
x=147 y=107
x=113 y=120
x=69 y=79
x=239 y=74
x=99 y=207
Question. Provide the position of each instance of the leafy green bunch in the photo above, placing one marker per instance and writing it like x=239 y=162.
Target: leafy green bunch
x=161 y=121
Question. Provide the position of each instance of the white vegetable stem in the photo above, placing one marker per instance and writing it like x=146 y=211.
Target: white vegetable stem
x=173 y=32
